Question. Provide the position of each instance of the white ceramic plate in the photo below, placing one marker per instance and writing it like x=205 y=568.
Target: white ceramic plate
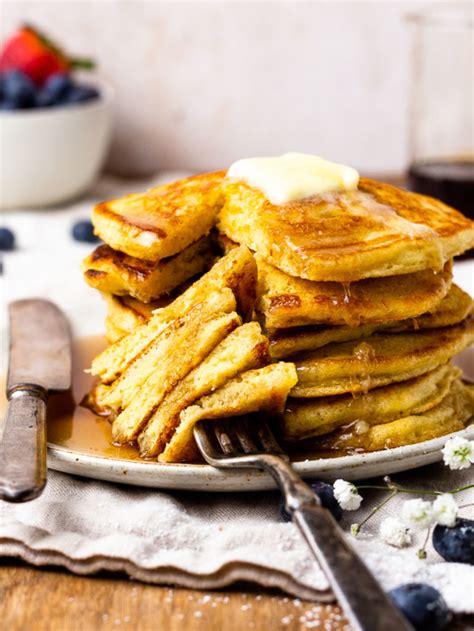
x=205 y=478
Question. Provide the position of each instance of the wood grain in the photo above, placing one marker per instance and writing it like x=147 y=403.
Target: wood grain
x=50 y=600
x=54 y=600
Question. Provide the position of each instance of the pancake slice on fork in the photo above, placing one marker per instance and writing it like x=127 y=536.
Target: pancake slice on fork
x=236 y=271
x=244 y=348
x=259 y=390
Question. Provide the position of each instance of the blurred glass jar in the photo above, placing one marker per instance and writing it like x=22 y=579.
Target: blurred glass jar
x=442 y=105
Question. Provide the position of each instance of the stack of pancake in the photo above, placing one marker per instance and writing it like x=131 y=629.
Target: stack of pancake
x=353 y=288
x=153 y=243
x=356 y=289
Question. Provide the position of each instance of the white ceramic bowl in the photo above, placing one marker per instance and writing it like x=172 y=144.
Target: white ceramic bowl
x=51 y=155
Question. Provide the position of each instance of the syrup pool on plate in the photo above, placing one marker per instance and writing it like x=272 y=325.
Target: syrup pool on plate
x=75 y=427
x=72 y=426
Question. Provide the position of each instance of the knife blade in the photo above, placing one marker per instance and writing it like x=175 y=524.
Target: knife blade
x=40 y=363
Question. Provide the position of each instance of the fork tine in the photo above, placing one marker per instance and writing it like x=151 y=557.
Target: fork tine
x=267 y=439
x=224 y=438
x=236 y=436
x=205 y=439
x=242 y=429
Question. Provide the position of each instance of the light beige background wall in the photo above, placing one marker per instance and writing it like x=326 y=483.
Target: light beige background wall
x=200 y=84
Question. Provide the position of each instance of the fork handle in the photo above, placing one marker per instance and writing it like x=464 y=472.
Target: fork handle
x=362 y=599
x=359 y=594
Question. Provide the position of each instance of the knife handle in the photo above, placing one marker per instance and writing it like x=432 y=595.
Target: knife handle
x=23 y=446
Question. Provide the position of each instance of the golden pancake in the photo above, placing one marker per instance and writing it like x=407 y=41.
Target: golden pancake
x=204 y=325
x=237 y=271
x=287 y=301
x=454 y=308
x=116 y=273
x=241 y=350
x=112 y=332
x=125 y=313
x=304 y=418
x=162 y=221
x=151 y=408
x=451 y=415
x=262 y=389
x=378 y=360
x=377 y=230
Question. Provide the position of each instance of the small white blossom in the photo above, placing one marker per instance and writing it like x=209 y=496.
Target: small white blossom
x=346 y=494
x=445 y=510
x=395 y=533
x=458 y=453
x=417 y=514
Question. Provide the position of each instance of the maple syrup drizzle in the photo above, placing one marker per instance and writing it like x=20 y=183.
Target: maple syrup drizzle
x=347 y=293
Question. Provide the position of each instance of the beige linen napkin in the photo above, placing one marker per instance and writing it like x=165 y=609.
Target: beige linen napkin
x=207 y=541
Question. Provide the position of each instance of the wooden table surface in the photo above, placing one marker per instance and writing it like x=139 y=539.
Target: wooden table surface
x=54 y=600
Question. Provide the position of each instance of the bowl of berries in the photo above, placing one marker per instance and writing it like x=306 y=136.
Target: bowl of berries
x=55 y=127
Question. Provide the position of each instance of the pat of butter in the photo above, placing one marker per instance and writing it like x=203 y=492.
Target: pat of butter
x=294 y=176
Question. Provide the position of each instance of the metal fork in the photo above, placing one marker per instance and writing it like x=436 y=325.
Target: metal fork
x=250 y=443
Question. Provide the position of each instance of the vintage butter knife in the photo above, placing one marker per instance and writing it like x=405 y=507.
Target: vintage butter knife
x=40 y=364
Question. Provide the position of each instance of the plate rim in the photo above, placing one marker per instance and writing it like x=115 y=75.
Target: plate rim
x=192 y=477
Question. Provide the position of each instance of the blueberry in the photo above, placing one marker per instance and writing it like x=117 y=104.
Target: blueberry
x=422 y=605
x=81 y=94
x=84 y=231
x=325 y=492
x=7 y=106
x=19 y=91
x=55 y=90
x=7 y=239
x=455 y=544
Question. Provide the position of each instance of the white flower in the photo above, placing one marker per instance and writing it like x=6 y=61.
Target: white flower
x=346 y=494
x=417 y=514
x=458 y=453
x=445 y=510
x=394 y=532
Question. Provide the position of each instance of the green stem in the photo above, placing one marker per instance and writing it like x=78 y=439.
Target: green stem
x=82 y=64
x=422 y=551
x=462 y=488
x=415 y=491
x=377 y=508
x=399 y=489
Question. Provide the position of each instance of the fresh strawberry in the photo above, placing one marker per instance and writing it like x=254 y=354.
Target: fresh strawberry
x=32 y=53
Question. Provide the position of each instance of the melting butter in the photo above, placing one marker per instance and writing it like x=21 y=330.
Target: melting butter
x=293 y=176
